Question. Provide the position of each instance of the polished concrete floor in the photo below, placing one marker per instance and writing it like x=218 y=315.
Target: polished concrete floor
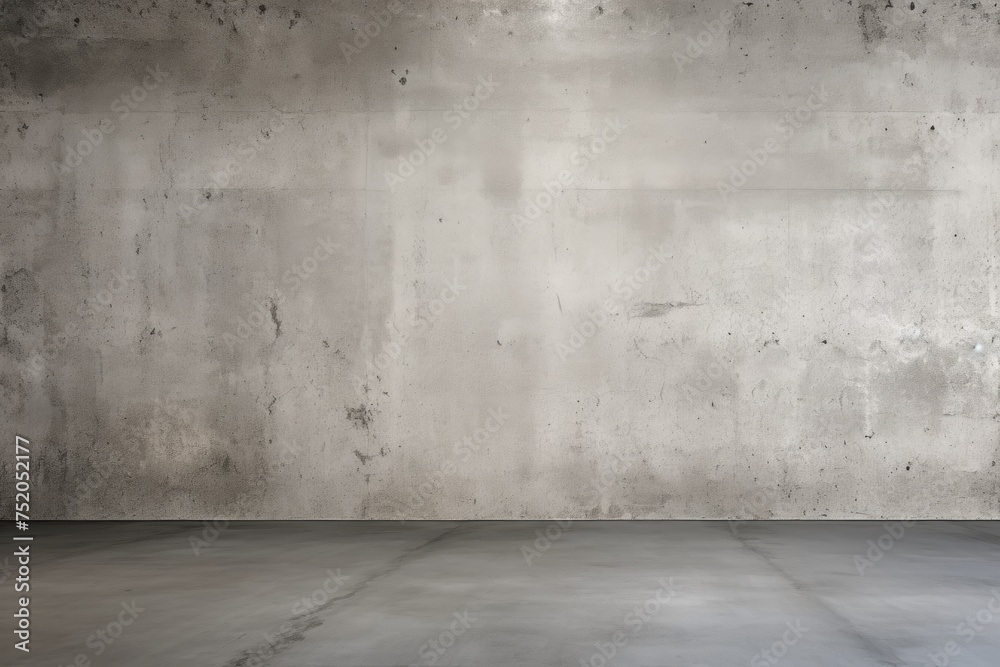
x=347 y=594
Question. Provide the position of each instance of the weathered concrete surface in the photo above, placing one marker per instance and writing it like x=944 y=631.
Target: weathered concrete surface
x=315 y=331
x=373 y=594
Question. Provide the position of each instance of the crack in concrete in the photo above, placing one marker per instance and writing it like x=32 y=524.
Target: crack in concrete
x=875 y=647
x=275 y=320
x=311 y=619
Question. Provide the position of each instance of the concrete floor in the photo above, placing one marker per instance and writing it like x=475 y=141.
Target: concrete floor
x=348 y=594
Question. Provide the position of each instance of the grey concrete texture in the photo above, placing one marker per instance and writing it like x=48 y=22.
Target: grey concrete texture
x=527 y=259
x=643 y=594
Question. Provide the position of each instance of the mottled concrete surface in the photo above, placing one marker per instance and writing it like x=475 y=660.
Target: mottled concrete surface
x=649 y=594
x=685 y=260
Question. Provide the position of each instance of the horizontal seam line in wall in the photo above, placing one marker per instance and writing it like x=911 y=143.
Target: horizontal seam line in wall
x=700 y=112
x=537 y=189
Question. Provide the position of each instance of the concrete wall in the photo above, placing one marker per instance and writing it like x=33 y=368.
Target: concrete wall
x=662 y=260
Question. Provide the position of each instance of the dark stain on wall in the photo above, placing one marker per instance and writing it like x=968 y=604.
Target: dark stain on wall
x=872 y=29
x=648 y=309
x=360 y=416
